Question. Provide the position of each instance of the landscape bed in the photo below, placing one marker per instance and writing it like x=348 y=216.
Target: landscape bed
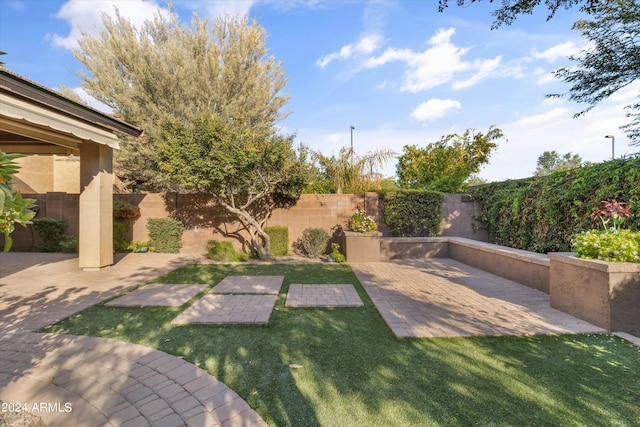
x=356 y=372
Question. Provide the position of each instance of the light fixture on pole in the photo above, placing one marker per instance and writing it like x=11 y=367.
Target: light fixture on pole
x=352 y=128
x=351 y=152
x=613 y=143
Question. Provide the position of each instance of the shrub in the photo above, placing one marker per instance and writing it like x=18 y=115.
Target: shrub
x=617 y=247
x=542 y=214
x=314 y=242
x=412 y=213
x=165 y=234
x=120 y=230
x=69 y=243
x=138 y=247
x=51 y=231
x=125 y=210
x=279 y=239
x=224 y=251
x=336 y=254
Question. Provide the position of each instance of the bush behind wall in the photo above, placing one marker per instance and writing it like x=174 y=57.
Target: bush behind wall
x=412 y=213
x=541 y=214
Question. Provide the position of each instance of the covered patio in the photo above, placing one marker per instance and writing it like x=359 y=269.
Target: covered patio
x=35 y=120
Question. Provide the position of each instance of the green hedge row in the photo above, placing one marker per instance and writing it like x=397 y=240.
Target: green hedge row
x=165 y=234
x=541 y=214
x=412 y=213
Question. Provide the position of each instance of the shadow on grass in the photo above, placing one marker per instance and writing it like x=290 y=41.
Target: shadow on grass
x=355 y=372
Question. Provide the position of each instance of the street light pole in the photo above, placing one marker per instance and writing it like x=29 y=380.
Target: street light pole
x=613 y=143
x=351 y=153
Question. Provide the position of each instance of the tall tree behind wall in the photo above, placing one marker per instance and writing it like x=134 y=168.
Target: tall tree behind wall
x=167 y=70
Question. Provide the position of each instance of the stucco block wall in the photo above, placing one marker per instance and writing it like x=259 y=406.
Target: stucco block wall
x=204 y=220
x=40 y=174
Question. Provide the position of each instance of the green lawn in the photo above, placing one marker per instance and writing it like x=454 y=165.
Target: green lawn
x=357 y=373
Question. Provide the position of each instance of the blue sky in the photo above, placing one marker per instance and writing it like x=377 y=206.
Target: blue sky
x=398 y=71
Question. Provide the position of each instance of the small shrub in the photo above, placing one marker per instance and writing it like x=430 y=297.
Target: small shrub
x=69 y=243
x=120 y=230
x=224 y=251
x=314 y=242
x=165 y=234
x=125 y=210
x=279 y=239
x=336 y=254
x=623 y=246
x=51 y=231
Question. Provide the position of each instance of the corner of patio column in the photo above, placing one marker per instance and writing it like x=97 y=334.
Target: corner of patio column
x=96 y=206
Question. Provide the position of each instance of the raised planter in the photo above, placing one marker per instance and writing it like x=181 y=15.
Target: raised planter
x=606 y=294
x=362 y=247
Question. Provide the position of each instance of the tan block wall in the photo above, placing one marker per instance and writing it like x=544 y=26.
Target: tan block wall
x=205 y=221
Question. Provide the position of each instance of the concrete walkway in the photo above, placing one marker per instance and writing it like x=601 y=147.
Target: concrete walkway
x=444 y=298
x=87 y=381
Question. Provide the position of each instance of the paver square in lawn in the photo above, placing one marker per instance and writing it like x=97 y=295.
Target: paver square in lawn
x=249 y=285
x=158 y=295
x=323 y=296
x=228 y=309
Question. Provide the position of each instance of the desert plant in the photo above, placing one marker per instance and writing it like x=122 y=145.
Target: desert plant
x=279 y=239
x=165 y=234
x=314 y=242
x=224 y=251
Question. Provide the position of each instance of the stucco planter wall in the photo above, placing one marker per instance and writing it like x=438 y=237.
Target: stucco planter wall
x=606 y=294
x=362 y=247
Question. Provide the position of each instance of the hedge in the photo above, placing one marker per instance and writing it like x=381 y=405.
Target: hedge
x=165 y=234
x=279 y=236
x=412 y=213
x=541 y=214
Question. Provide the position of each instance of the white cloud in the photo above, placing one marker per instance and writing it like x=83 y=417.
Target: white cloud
x=544 y=118
x=86 y=16
x=486 y=68
x=556 y=52
x=434 y=109
x=365 y=46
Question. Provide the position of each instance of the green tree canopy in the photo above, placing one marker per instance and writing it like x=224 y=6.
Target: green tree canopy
x=612 y=61
x=446 y=164
x=510 y=10
x=167 y=70
x=552 y=161
x=250 y=171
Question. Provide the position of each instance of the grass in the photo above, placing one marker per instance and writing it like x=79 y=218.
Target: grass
x=357 y=373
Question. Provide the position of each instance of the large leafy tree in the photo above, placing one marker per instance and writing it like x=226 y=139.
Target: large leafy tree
x=612 y=61
x=167 y=70
x=446 y=164
x=551 y=161
x=249 y=170
x=14 y=209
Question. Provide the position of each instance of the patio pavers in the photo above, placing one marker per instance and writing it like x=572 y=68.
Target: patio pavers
x=444 y=298
x=322 y=296
x=249 y=285
x=228 y=309
x=158 y=295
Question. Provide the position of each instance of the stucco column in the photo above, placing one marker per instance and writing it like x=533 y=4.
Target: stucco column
x=96 y=206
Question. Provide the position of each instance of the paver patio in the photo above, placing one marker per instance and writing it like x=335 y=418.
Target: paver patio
x=445 y=298
x=322 y=296
x=249 y=285
x=228 y=309
x=158 y=295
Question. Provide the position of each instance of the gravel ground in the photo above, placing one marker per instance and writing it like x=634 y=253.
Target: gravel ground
x=20 y=419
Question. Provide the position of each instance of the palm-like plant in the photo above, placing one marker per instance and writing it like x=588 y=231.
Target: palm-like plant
x=353 y=173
